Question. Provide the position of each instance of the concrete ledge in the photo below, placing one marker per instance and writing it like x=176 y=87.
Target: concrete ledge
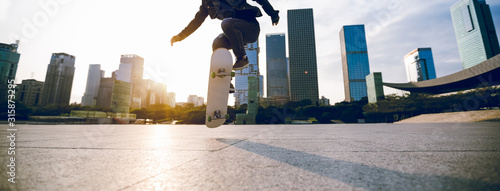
x=456 y=117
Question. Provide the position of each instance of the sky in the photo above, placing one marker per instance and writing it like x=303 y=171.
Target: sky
x=99 y=32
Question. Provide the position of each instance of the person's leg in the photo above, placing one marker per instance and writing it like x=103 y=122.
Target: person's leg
x=239 y=32
x=221 y=41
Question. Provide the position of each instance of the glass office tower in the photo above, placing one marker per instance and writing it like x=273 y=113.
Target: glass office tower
x=277 y=67
x=302 y=52
x=475 y=31
x=419 y=65
x=355 y=63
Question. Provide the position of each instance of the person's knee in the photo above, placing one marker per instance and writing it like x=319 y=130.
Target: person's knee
x=220 y=42
x=227 y=24
x=216 y=44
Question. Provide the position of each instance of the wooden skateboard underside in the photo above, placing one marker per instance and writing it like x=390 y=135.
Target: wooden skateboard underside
x=221 y=66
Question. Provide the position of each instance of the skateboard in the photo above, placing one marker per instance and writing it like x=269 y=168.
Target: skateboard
x=221 y=72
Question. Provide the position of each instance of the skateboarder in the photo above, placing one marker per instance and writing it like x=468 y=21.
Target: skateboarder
x=239 y=24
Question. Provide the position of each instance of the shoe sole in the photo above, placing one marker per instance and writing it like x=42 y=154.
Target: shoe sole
x=232 y=89
x=241 y=68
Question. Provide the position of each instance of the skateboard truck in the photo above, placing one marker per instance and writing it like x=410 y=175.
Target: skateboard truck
x=217 y=115
x=222 y=73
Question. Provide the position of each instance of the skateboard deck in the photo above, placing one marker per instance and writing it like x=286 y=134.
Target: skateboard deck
x=221 y=71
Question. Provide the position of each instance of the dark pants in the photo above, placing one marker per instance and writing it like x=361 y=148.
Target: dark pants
x=237 y=33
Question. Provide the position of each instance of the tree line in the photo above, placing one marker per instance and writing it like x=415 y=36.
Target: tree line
x=393 y=108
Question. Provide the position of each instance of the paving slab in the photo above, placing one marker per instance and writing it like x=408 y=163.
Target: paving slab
x=431 y=156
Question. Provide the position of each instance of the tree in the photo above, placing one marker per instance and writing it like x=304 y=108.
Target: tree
x=326 y=117
x=141 y=113
x=352 y=114
x=194 y=116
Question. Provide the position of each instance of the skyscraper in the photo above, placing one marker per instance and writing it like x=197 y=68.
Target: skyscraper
x=153 y=93
x=170 y=99
x=30 y=92
x=132 y=71
x=253 y=103
x=475 y=31
x=8 y=67
x=120 y=97
x=241 y=80
x=59 y=79
x=419 y=65
x=92 y=89
x=302 y=56
x=196 y=100
x=104 y=95
x=375 y=87
x=355 y=64
x=277 y=67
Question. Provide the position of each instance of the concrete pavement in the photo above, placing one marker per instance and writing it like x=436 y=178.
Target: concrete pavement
x=444 y=156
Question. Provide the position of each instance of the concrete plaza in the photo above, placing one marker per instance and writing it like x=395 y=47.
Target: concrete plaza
x=441 y=156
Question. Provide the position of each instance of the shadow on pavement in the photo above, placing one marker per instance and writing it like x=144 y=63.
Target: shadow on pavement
x=360 y=175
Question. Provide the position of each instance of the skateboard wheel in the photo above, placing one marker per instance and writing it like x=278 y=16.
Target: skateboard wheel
x=227 y=116
x=209 y=119
x=233 y=74
x=212 y=74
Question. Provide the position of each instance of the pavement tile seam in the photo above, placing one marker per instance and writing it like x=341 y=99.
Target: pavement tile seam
x=195 y=159
x=41 y=140
x=159 y=174
x=180 y=166
x=166 y=171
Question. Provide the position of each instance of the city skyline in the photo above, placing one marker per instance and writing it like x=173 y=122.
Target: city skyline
x=391 y=25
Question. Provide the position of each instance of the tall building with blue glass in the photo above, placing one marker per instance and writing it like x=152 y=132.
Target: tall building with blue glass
x=302 y=56
x=277 y=67
x=475 y=31
x=355 y=64
x=419 y=65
